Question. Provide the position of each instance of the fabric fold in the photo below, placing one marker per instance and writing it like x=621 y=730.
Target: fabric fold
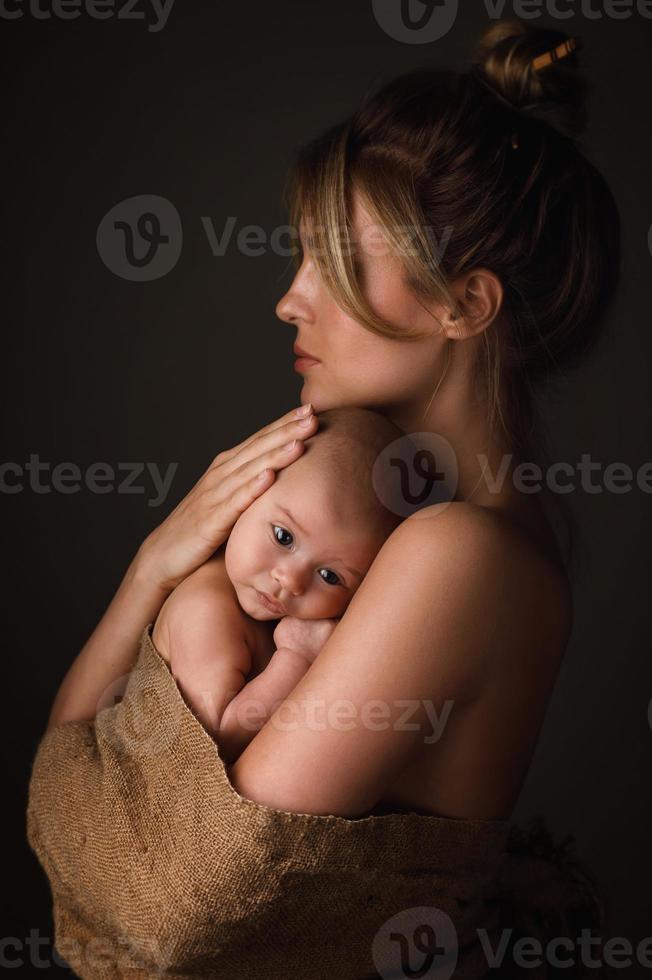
x=158 y=867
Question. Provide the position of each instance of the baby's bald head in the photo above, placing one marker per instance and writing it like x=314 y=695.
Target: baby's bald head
x=342 y=454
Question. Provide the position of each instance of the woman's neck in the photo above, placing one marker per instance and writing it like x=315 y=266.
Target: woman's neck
x=484 y=462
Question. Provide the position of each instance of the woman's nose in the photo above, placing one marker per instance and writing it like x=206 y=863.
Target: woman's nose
x=298 y=304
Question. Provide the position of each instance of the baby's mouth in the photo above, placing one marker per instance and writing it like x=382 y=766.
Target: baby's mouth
x=269 y=603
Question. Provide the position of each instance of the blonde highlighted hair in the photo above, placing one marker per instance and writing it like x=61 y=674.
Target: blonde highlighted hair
x=487 y=161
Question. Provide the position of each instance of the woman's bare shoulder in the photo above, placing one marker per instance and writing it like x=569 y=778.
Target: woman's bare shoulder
x=502 y=615
x=523 y=572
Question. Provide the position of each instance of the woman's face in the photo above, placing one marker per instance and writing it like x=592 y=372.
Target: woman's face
x=355 y=366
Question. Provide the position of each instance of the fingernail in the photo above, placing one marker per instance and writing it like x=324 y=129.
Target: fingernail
x=290 y=446
x=304 y=410
x=262 y=476
x=306 y=422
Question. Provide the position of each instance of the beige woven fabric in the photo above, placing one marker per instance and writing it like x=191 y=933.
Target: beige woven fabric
x=158 y=867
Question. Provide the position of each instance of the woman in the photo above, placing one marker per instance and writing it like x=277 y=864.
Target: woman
x=510 y=261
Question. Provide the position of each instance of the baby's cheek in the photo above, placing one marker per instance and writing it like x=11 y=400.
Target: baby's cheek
x=330 y=606
x=230 y=555
x=235 y=558
x=159 y=638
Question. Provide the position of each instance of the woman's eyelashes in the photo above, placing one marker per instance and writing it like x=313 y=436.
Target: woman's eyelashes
x=286 y=544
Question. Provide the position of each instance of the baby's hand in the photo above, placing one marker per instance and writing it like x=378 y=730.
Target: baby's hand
x=305 y=636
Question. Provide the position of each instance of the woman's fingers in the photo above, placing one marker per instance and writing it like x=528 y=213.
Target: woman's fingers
x=284 y=420
x=203 y=520
x=274 y=458
x=234 y=498
x=228 y=494
x=266 y=449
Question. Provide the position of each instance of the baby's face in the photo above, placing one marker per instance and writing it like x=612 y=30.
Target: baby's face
x=303 y=545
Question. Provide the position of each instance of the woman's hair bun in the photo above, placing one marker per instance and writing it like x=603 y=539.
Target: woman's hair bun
x=556 y=93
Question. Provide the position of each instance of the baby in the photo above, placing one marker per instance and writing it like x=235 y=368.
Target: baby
x=300 y=550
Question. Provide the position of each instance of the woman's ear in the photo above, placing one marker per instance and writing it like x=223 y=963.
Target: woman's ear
x=479 y=294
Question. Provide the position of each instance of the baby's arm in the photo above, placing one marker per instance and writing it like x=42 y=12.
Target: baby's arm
x=200 y=634
x=299 y=643
x=252 y=707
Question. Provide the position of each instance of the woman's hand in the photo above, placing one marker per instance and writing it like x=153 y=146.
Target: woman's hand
x=203 y=520
x=305 y=636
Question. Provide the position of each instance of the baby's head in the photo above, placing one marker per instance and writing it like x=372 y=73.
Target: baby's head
x=308 y=541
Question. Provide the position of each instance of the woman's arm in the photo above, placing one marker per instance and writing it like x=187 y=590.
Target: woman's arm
x=111 y=650
x=420 y=630
x=187 y=538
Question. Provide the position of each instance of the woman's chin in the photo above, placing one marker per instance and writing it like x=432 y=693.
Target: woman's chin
x=323 y=400
x=309 y=391
x=321 y=397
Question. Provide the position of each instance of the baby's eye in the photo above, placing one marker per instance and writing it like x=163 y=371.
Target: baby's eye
x=329 y=581
x=285 y=543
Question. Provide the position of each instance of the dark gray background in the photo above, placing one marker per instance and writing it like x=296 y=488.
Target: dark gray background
x=207 y=113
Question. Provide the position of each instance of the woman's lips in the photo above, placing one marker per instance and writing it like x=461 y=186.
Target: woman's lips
x=303 y=363
x=304 y=359
x=302 y=352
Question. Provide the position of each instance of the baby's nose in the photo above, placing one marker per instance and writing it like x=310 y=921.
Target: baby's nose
x=291 y=579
